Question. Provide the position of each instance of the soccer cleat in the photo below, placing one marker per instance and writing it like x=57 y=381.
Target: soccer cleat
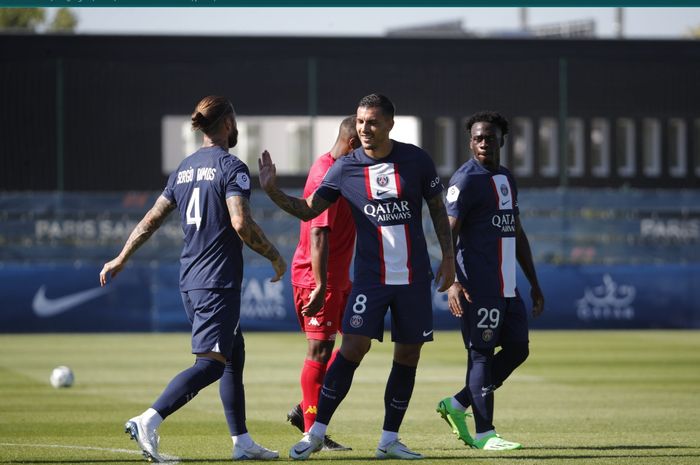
x=147 y=440
x=296 y=417
x=331 y=445
x=254 y=452
x=456 y=419
x=303 y=449
x=495 y=442
x=396 y=450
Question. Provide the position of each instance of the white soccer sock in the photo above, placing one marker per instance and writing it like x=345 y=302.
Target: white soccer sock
x=457 y=405
x=318 y=429
x=151 y=418
x=388 y=437
x=243 y=441
x=480 y=436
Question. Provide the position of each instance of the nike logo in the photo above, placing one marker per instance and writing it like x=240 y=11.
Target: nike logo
x=299 y=452
x=45 y=307
x=505 y=202
x=427 y=333
x=382 y=192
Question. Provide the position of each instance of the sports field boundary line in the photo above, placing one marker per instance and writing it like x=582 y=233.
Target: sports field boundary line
x=169 y=458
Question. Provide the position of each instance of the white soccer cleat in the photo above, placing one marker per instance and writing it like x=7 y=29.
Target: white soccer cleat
x=254 y=452
x=303 y=449
x=146 y=438
x=396 y=450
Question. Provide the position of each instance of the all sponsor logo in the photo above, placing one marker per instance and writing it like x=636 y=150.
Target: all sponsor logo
x=382 y=180
x=609 y=301
x=504 y=190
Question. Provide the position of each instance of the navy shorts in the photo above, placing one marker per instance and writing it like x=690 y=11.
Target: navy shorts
x=411 y=312
x=493 y=321
x=215 y=317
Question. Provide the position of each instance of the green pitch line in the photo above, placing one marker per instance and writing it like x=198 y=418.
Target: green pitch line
x=598 y=398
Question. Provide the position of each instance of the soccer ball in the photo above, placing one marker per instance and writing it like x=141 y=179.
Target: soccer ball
x=62 y=377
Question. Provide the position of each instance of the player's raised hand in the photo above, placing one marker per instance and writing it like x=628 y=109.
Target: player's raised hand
x=111 y=268
x=280 y=267
x=317 y=298
x=445 y=275
x=267 y=173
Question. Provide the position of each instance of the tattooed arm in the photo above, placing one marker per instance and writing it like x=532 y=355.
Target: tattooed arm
x=146 y=227
x=446 y=273
x=304 y=209
x=250 y=233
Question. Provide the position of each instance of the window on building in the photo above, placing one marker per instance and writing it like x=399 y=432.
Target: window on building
x=293 y=141
x=574 y=149
x=677 y=148
x=548 y=147
x=522 y=147
x=600 y=147
x=445 y=153
x=651 y=149
x=625 y=147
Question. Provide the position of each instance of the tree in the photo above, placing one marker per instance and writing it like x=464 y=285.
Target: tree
x=63 y=21
x=24 y=19
x=35 y=20
x=693 y=32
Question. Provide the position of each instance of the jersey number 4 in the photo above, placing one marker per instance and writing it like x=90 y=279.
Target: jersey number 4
x=193 y=213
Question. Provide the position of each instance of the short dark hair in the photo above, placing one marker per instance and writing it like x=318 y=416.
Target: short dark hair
x=347 y=127
x=492 y=117
x=378 y=100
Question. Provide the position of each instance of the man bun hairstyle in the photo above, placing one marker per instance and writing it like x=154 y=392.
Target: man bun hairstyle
x=209 y=113
x=492 y=117
x=378 y=100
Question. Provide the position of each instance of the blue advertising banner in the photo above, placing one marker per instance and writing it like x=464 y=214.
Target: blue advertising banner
x=145 y=297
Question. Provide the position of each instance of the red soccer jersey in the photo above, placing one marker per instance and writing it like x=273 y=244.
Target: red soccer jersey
x=341 y=238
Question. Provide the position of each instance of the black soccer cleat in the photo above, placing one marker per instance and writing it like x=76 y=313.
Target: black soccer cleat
x=331 y=445
x=296 y=417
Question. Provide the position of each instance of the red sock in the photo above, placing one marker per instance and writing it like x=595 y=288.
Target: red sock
x=311 y=381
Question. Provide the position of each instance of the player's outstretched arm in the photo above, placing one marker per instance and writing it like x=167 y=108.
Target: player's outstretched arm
x=250 y=233
x=319 y=268
x=524 y=256
x=304 y=209
x=146 y=227
x=445 y=275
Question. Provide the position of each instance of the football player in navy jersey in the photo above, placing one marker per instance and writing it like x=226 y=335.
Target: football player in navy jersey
x=211 y=189
x=385 y=183
x=482 y=204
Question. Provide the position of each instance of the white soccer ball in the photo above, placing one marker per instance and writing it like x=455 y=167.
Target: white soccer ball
x=62 y=377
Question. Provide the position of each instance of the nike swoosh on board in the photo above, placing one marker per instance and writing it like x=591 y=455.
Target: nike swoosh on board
x=45 y=307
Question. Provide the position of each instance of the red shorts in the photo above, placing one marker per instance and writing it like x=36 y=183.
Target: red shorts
x=326 y=323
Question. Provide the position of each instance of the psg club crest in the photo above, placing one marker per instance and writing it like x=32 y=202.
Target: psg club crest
x=487 y=335
x=356 y=321
x=382 y=180
x=504 y=190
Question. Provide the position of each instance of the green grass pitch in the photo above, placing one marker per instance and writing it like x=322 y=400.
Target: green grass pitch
x=606 y=397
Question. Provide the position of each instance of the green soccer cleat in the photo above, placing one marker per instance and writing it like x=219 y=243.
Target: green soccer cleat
x=495 y=442
x=456 y=419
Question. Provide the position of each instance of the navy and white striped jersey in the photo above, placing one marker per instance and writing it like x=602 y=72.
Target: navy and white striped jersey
x=386 y=200
x=212 y=256
x=487 y=204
